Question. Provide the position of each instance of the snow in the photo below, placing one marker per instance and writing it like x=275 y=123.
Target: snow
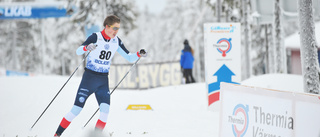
x=284 y=82
x=177 y=111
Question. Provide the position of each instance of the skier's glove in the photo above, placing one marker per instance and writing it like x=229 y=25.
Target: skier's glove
x=142 y=53
x=90 y=47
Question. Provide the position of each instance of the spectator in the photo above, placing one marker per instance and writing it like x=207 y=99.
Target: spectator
x=186 y=62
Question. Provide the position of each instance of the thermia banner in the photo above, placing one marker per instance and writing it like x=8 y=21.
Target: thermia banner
x=222 y=42
x=257 y=112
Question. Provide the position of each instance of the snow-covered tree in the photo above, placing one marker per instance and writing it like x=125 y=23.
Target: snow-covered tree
x=279 y=50
x=163 y=34
x=18 y=51
x=247 y=42
x=259 y=44
x=48 y=45
x=309 y=47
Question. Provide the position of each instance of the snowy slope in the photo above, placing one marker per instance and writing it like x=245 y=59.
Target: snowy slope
x=178 y=111
x=284 y=82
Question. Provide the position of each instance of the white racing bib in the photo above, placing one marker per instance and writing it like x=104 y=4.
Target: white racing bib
x=99 y=60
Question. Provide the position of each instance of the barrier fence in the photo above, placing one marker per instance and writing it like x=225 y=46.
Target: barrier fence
x=143 y=76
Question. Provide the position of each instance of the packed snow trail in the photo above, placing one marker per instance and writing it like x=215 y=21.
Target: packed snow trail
x=177 y=111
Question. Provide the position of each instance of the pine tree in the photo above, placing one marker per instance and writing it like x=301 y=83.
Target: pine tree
x=48 y=45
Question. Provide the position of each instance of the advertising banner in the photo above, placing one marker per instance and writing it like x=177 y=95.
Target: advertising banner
x=222 y=57
x=146 y=75
x=257 y=112
x=139 y=107
x=22 y=10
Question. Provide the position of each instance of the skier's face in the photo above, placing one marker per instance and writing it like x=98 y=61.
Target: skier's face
x=112 y=30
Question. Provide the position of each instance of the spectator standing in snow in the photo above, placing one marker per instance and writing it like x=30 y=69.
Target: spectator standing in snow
x=102 y=46
x=186 y=62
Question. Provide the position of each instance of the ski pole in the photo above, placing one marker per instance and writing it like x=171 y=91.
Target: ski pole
x=59 y=90
x=113 y=90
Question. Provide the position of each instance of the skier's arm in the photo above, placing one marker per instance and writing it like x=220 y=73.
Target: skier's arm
x=131 y=57
x=83 y=48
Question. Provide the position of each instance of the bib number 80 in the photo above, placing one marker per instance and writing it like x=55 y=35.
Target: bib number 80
x=105 y=55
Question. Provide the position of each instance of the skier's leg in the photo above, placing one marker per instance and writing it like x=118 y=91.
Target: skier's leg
x=67 y=119
x=192 y=79
x=104 y=112
x=185 y=74
x=76 y=109
x=188 y=80
x=85 y=89
x=103 y=98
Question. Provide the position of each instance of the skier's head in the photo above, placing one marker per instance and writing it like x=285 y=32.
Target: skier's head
x=112 y=25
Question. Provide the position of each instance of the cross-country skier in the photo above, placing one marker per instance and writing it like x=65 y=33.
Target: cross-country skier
x=102 y=46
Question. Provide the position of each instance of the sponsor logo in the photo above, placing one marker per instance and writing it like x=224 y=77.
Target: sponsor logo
x=279 y=121
x=239 y=120
x=223 y=29
x=101 y=62
x=83 y=89
x=83 y=94
x=106 y=46
x=139 y=107
x=223 y=46
x=16 y=11
x=81 y=99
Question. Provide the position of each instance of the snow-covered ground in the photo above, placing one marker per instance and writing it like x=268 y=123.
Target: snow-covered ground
x=284 y=82
x=177 y=111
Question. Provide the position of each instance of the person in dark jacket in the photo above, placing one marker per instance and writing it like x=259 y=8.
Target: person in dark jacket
x=186 y=62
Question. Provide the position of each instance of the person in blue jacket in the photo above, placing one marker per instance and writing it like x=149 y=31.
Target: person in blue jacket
x=186 y=62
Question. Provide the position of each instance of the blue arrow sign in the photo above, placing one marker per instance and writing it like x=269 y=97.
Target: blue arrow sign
x=224 y=74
